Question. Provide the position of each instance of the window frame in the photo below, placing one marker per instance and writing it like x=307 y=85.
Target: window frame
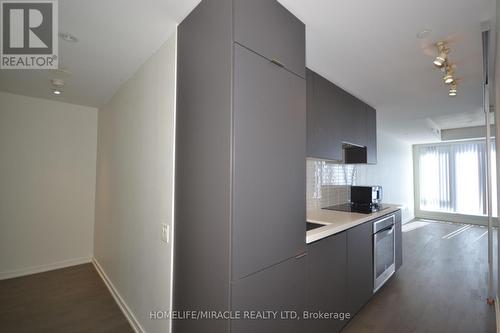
x=436 y=215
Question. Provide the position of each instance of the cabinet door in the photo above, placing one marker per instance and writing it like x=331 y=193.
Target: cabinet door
x=268 y=28
x=399 y=240
x=277 y=288
x=359 y=266
x=371 y=134
x=269 y=164
x=326 y=278
x=353 y=120
x=324 y=118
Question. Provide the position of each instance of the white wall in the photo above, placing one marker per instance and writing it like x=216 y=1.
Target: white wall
x=393 y=171
x=47 y=184
x=135 y=187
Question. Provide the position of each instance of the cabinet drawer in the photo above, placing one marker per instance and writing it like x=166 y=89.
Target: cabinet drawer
x=269 y=29
x=277 y=288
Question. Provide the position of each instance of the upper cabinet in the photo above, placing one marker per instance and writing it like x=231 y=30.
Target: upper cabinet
x=353 y=130
x=371 y=134
x=324 y=129
x=267 y=28
x=335 y=119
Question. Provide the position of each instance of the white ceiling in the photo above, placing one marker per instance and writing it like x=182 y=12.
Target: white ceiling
x=115 y=38
x=369 y=48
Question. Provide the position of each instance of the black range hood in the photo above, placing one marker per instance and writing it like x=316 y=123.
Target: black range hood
x=354 y=154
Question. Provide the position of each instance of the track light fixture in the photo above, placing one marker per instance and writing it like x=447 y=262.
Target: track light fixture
x=442 y=56
x=448 y=76
x=443 y=62
x=453 y=90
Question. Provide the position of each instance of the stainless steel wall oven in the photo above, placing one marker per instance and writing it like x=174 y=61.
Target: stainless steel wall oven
x=384 y=254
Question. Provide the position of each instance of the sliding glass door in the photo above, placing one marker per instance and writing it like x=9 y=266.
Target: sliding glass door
x=451 y=178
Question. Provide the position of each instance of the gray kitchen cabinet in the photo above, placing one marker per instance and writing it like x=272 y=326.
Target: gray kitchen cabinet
x=277 y=288
x=334 y=118
x=269 y=29
x=326 y=287
x=359 y=266
x=269 y=163
x=324 y=118
x=354 y=120
x=371 y=135
x=240 y=158
x=202 y=180
x=398 y=240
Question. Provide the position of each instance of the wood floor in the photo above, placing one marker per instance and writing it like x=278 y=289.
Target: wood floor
x=69 y=300
x=441 y=287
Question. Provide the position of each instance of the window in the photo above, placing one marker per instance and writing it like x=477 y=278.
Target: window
x=452 y=178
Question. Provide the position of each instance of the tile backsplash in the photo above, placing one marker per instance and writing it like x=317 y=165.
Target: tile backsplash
x=328 y=183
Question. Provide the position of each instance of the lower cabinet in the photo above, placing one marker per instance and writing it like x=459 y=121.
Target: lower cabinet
x=359 y=266
x=272 y=291
x=334 y=278
x=399 y=240
x=326 y=289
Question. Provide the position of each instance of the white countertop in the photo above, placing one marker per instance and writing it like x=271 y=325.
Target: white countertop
x=336 y=221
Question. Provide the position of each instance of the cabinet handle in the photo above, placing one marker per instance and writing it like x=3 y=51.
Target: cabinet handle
x=277 y=63
x=301 y=255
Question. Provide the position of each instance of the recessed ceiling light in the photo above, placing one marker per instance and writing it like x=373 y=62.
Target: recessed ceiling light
x=424 y=33
x=57 y=83
x=68 y=37
x=61 y=71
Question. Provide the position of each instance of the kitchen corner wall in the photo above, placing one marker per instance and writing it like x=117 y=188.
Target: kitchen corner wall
x=135 y=190
x=328 y=183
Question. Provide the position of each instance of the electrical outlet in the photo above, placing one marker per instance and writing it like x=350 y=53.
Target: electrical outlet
x=165 y=232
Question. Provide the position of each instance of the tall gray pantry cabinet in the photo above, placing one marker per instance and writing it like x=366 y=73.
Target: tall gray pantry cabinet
x=240 y=164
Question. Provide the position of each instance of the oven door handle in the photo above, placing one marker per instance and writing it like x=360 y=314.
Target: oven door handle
x=383 y=223
x=391 y=228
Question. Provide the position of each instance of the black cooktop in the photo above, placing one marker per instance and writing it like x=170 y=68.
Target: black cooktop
x=357 y=208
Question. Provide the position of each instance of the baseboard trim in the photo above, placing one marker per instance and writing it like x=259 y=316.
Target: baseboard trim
x=457 y=218
x=44 y=268
x=497 y=314
x=118 y=299
x=409 y=219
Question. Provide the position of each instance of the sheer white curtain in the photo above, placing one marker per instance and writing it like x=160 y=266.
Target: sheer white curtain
x=452 y=178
